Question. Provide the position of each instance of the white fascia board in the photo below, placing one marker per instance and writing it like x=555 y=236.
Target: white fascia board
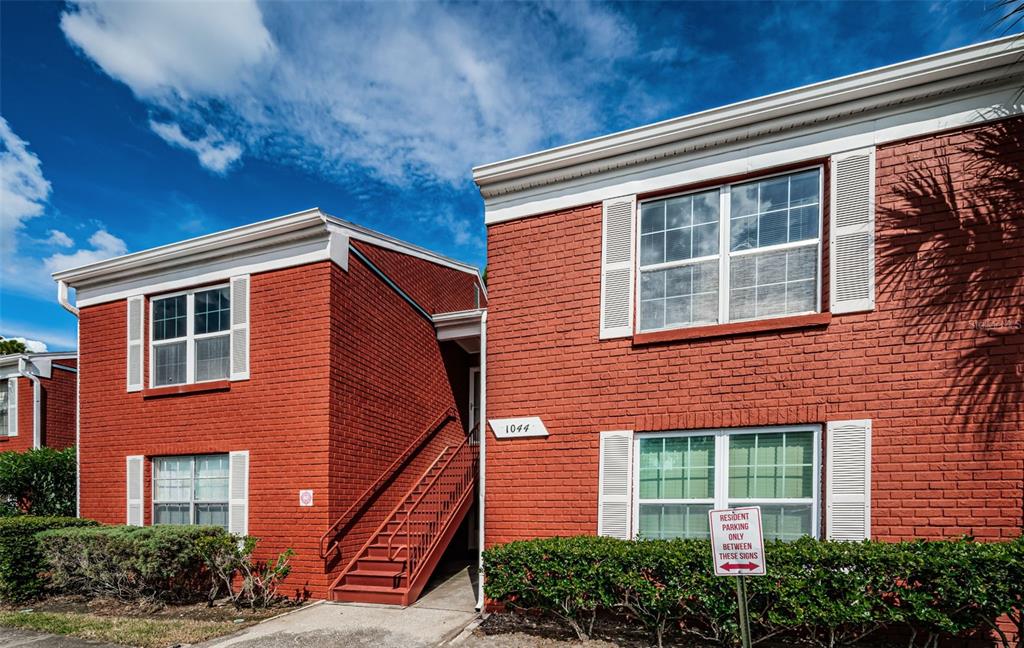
x=709 y=162
x=459 y=325
x=275 y=254
x=40 y=360
x=914 y=75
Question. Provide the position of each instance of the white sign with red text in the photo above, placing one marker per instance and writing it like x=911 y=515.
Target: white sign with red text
x=736 y=541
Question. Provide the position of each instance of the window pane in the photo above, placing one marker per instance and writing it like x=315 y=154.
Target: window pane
x=663 y=521
x=677 y=468
x=212 y=358
x=785 y=282
x=652 y=248
x=680 y=228
x=803 y=188
x=775 y=210
x=212 y=478
x=678 y=212
x=652 y=217
x=171 y=514
x=172 y=477
x=679 y=296
x=212 y=514
x=786 y=522
x=3 y=406
x=771 y=465
x=170 y=364
x=169 y=318
x=212 y=311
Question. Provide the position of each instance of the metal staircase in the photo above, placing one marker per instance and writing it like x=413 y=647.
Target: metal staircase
x=398 y=559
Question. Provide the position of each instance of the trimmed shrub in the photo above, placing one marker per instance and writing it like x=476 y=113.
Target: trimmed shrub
x=815 y=593
x=21 y=560
x=38 y=482
x=160 y=562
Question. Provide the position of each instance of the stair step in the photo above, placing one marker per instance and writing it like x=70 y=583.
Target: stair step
x=379 y=564
x=375 y=578
x=368 y=594
x=381 y=551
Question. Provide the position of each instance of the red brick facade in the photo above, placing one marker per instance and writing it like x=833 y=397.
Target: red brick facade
x=57 y=406
x=343 y=372
x=937 y=366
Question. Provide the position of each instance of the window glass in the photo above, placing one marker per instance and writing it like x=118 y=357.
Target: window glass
x=191 y=490
x=212 y=311
x=170 y=363
x=3 y=407
x=676 y=484
x=772 y=266
x=212 y=358
x=170 y=318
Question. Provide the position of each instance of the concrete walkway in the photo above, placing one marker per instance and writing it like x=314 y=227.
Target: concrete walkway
x=441 y=614
x=14 y=638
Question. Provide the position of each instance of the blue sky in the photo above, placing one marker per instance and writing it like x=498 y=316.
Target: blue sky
x=130 y=125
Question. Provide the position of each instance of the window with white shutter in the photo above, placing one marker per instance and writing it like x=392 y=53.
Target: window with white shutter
x=136 y=333
x=9 y=406
x=240 y=327
x=617 y=267
x=614 y=481
x=848 y=480
x=238 y=492
x=134 y=489
x=852 y=232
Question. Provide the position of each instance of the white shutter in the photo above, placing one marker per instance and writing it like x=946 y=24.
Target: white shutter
x=240 y=327
x=134 y=488
x=614 y=482
x=238 y=492
x=617 y=267
x=852 y=232
x=848 y=481
x=12 y=406
x=136 y=337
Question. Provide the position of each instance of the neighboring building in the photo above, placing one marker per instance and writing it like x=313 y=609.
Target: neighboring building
x=37 y=400
x=303 y=380
x=810 y=301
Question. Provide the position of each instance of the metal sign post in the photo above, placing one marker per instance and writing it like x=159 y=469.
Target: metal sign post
x=737 y=549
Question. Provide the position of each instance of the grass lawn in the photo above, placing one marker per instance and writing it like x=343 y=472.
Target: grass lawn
x=130 y=631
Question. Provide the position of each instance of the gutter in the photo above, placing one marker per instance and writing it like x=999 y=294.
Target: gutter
x=37 y=399
x=483 y=460
x=62 y=298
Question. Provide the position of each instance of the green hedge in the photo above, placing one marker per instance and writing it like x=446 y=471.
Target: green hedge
x=21 y=561
x=815 y=592
x=38 y=482
x=157 y=562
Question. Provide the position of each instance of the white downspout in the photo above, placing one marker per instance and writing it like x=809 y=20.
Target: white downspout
x=37 y=400
x=483 y=459
x=62 y=298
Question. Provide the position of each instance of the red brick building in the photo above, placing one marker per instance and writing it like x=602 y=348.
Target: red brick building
x=810 y=301
x=37 y=400
x=303 y=380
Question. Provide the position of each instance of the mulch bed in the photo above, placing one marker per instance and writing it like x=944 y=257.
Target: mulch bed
x=109 y=607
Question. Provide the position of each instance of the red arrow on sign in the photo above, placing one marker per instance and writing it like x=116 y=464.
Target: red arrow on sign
x=732 y=566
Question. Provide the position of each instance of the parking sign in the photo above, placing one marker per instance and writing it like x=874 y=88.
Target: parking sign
x=737 y=542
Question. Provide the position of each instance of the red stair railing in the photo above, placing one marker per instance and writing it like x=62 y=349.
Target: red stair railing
x=432 y=508
x=329 y=541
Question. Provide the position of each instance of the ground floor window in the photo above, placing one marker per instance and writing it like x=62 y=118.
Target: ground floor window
x=680 y=476
x=191 y=490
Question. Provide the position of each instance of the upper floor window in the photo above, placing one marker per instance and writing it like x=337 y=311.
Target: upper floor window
x=191 y=337
x=769 y=230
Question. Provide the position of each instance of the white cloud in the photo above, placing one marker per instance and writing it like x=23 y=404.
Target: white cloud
x=34 y=346
x=58 y=238
x=213 y=151
x=24 y=194
x=409 y=92
x=160 y=47
x=23 y=189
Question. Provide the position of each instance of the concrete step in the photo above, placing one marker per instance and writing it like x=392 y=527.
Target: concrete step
x=369 y=594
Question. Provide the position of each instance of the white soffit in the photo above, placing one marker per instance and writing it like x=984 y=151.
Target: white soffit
x=969 y=85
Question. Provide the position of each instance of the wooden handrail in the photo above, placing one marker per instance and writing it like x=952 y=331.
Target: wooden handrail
x=330 y=536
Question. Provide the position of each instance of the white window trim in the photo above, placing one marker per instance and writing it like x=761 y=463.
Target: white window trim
x=192 y=495
x=190 y=336
x=721 y=499
x=724 y=255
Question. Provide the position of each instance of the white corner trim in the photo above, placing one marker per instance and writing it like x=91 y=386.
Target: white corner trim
x=709 y=161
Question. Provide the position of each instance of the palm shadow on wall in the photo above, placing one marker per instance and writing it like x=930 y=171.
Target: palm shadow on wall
x=952 y=247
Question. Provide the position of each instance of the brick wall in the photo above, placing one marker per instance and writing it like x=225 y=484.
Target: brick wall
x=944 y=395
x=389 y=383
x=59 y=406
x=280 y=415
